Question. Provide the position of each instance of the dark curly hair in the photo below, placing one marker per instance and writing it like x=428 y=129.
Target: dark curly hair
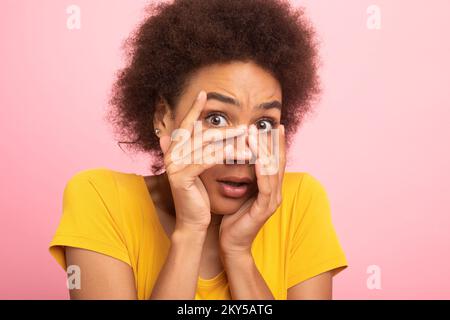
x=179 y=37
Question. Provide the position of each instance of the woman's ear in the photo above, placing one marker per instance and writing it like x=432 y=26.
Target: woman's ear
x=162 y=119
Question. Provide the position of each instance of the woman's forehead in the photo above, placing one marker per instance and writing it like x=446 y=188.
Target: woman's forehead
x=236 y=84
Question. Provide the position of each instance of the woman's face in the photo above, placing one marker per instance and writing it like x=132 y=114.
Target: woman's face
x=250 y=86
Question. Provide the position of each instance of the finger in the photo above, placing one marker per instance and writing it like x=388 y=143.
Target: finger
x=195 y=151
x=258 y=144
x=272 y=152
x=275 y=186
x=273 y=171
x=282 y=159
x=264 y=194
x=187 y=124
x=194 y=169
x=265 y=176
x=198 y=140
x=253 y=142
x=227 y=135
x=218 y=135
x=195 y=164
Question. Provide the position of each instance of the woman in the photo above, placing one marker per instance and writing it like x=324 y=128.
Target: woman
x=196 y=229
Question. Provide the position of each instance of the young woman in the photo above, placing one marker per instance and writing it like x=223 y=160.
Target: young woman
x=197 y=230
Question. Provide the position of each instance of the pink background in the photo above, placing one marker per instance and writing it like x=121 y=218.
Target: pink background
x=378 y=141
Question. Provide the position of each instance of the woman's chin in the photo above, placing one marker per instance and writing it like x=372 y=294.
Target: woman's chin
x=226 y=206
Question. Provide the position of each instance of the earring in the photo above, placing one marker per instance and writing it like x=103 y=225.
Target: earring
x=157 y=132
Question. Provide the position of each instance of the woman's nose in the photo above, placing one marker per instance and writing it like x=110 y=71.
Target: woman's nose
x=238 y=151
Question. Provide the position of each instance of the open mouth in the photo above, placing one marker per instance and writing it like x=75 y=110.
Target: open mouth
x=234 y=184
x=232 y=187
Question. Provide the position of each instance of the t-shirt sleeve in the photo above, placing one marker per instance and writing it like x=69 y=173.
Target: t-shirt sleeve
x=89 y=218
x=315 y=247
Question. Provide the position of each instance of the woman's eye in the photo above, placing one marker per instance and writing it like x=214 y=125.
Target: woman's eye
x=264 y=125
x=216 y=120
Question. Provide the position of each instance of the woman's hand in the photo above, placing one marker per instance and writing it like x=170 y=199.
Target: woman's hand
x=238 y=230
x=190 y=197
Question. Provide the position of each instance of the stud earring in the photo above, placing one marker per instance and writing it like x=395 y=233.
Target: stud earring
x=157 y=132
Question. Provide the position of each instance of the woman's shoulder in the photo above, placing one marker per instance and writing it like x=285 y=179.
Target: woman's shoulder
x=303 y=192
x=95 y=174
x=303 y=182
x=103 y=176
x=118 y=194
x=108 y=184
x=94 y=215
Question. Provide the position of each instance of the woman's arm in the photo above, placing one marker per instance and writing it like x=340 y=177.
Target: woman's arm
x=319 y=287
x=101 y=276
x=179 y=276
x=245 y=280
x=104 y=277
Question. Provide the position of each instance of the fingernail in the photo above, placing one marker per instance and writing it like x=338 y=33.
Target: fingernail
x=201 y=95
x=264 y=161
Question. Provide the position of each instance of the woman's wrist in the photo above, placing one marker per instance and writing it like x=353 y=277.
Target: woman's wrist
x=236 y=256
x=179 y=276
x=185 y=234
x=237 y=262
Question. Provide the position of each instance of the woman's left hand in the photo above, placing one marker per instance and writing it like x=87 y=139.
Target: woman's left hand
x=238 y=230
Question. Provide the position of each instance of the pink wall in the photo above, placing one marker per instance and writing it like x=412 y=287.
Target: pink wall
x=377 y=142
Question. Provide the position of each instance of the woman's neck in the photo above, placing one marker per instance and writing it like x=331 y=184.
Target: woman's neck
x=159 y=188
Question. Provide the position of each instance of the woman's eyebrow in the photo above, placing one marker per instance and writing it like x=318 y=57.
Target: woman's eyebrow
x=229 y=100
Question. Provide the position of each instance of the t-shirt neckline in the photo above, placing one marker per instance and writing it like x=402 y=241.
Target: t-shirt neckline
x=217 y=279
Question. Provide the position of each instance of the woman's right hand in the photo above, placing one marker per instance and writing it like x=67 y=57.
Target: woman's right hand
x=190 y=197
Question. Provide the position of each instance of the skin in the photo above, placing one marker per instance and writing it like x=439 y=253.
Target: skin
x=209 y=232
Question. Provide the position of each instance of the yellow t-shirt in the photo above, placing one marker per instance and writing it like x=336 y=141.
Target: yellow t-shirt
x=112 y=213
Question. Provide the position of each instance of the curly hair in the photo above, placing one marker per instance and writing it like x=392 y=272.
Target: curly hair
x=177 y=38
